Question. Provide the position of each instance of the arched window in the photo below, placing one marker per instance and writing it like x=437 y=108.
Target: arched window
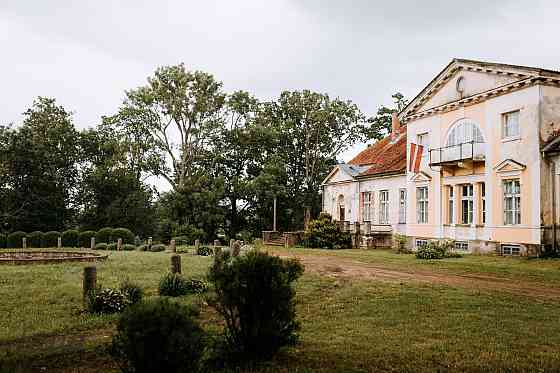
x=464 y=131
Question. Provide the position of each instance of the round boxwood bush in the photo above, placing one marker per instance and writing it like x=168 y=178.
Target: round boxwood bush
x=106 y=301
x=84 y=239
x=158 y=336
x=101 y=246
x=70 y=238
x=35 y=239
x=157 y=247
x=15 y=239
x=173 y=285
x=112 y=246
x=126 y=235
x=128 y=247
x=104 y=235
x=2 y=241
x=50 y=239
x=204 y=251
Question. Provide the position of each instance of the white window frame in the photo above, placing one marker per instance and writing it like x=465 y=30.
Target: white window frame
x=422 y=204
x=467 y=203
x=383 y=207
x=512 y=216
x=419 y=242
x=510 y=250
x=461 y=246
x=511 y=130
x=402 y=206
x=368 y=202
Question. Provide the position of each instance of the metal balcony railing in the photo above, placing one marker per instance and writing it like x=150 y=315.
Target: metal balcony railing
x=471 y=150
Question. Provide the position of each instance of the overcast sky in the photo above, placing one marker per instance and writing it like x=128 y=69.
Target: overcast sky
x=86 y=53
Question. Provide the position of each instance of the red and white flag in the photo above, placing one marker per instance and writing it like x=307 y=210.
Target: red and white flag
x=415 y=157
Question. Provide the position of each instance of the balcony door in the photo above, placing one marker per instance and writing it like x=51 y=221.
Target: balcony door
x=464 y=140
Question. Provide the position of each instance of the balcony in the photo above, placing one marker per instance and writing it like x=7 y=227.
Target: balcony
x=456 y=155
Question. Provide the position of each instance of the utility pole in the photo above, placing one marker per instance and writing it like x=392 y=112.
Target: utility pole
x=274 y=218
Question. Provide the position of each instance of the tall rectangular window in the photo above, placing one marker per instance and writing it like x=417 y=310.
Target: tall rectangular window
x=402 y=206
x=384 y=207
x=366 y=212
x=510 y=124
x=422 y=204
x=467 y=204
x=424 y=140
x=512 y=202
x=483 y=197
x=450 y=205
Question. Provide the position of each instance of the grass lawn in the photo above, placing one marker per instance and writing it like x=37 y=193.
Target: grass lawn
x=348 y=325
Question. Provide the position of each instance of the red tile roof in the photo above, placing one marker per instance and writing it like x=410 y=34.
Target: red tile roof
x=386 y=156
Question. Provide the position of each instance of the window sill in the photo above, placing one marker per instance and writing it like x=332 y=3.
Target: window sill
x=511 y=139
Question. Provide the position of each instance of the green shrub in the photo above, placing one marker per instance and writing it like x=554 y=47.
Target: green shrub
x=188 y=233
x=50 y=239
x=437 y=250
x=101 y=246
x=35 y=239
x=181 y=240
x=132 y=291
x=143 y=247
x=104 y=235
x=400 y=243
x=157 y=247
x=2 y=241
x=70 y=238
x=126 y=235
x=105 y=301
x=204 y=251
x=322 y=233
x=84 y=238
x=254 y=294
x=196 y=286
x=173 y=285
x=158 y=336
x=15 y=240
x=128 y=247
x=112 y=246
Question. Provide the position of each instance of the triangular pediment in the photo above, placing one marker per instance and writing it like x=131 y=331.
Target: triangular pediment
x=468 y=80
x=421 y=177
x=337 y=175
x=509 y=166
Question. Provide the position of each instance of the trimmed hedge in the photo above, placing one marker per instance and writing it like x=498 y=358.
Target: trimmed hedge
x=84 y=239
x=104 y=235
x=15 y=239
x=124 y=233
x=128 y=247
x=158 y=247
x=2 y=241
x=101 y=246
x=35 y=239
x=70 y=238
x=112 y=246
x=50 y=239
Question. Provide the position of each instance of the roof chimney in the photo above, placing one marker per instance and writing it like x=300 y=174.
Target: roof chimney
x=395 y=124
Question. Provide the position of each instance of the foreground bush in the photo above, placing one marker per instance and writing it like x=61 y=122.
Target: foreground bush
x=126 y=235
x=35 y=239
x=70 y=238
x=158 y=336
x=15 y=240
x=106 y=301
x=84 y=239
x=204 y=251
x=132 y=291
x=437 y=250
x=255 y=296
x=323 y=233
x=50 y=239
x=173 y=285
x=104 y=235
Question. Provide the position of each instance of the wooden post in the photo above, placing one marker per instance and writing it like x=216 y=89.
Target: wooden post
x=176 y=263
x=231 y=243
x=119 y=244
x=149 y=243
x=236 y=249
x=59 y=243
x=173 y=247
x=196 y=245
x=24 y=243
x=92 y=243
x=90 y=280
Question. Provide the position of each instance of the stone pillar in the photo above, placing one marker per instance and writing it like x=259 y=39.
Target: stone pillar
x=119 y=244
x=149 y=243
x=24 y=242
x=231 y=242
x=172 y=246
x=216 y=243
x=236 y=248
x=176 y=263
x=196 y=245
x=59 y=243
x=89 y=281
x=367 y=228
x=92 y=243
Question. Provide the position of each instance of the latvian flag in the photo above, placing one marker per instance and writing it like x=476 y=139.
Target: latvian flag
x=415 y=157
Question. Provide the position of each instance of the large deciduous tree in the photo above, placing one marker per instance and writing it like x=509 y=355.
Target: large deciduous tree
x=379 y=126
